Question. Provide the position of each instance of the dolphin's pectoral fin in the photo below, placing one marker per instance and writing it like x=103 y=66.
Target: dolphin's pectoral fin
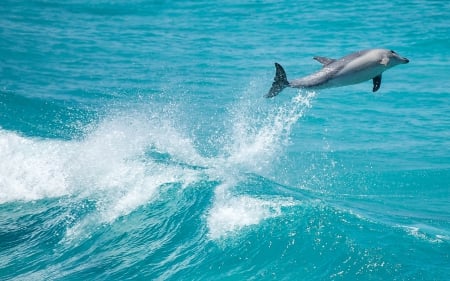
x=323 y=60
x=279 y=82
x=376 y=83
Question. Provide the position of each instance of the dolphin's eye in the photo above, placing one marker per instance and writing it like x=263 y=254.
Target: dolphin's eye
x=393 y=52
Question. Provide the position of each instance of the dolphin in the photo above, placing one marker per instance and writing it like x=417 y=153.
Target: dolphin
x=351 y=69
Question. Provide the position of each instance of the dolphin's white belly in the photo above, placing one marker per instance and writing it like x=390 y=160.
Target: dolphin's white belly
x=354 y=74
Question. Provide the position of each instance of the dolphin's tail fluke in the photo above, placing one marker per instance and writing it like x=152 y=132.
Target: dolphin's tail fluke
x=279 y=82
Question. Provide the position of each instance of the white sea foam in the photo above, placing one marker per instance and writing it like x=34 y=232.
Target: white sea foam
x=30 y=169
x=108 y=165
x=231 y=214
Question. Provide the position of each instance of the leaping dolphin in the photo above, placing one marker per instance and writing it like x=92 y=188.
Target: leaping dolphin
x=351 y=69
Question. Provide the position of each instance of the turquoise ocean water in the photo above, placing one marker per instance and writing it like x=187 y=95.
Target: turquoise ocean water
x=135 y=142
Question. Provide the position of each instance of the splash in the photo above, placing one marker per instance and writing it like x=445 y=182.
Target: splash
x=123 y=162
x=260 y=135
x=109 y=165
x=258 y=139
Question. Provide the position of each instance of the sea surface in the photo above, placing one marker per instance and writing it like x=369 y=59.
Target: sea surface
x=135 y=142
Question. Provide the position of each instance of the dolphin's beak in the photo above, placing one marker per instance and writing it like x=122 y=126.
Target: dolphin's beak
x=405 y=60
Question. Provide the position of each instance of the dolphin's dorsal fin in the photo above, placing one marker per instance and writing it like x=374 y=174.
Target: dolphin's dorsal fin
x=323 y=60
x=376 y=83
